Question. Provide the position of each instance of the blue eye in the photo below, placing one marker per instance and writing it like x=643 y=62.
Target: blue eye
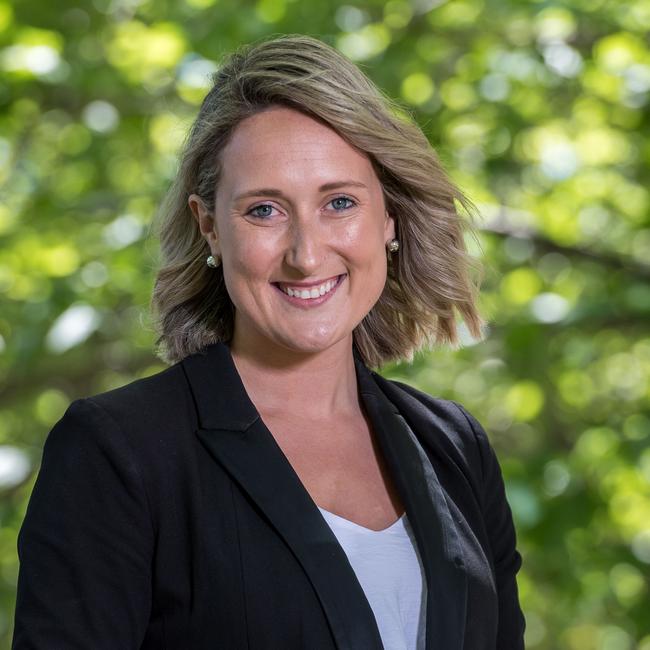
x=339 y=203
x=268 y=209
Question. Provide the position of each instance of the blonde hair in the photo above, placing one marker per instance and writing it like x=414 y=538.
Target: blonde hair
x=428 y=280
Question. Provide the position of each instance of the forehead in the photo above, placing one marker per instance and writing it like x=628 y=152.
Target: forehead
x=284 y=146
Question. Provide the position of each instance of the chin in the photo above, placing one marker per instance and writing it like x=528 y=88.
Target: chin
x=313 y=343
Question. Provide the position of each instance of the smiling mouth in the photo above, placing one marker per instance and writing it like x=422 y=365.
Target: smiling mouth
x=311 y=293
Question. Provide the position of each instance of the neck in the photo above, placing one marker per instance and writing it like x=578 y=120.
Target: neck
x=313 y=386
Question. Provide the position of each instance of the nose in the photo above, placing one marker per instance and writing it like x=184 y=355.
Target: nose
x=306 y=247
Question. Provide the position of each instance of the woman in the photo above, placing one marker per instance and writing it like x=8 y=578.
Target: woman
x=268 y=490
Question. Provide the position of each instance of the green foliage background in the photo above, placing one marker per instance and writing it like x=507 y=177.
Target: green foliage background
x=540 y=111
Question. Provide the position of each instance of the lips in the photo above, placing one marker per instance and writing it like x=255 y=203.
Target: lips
x=310 y=292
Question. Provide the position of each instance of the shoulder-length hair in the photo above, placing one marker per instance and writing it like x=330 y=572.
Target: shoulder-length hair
x=429 y=279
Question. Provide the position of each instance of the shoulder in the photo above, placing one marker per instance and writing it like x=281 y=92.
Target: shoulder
x=127 y=417
x=129 y=438
x=442 y=423
x=154 y=391
x=457 y=445
x=443 y=408
x=150 y=402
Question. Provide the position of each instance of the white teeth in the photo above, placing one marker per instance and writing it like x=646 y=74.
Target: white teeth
x=314 y=292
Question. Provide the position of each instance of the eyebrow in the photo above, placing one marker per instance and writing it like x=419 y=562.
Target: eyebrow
x=271 y=191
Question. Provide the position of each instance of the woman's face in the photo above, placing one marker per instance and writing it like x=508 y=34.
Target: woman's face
x=301 y=229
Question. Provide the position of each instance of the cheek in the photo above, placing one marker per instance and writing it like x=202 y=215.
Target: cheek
x=367 y=254
x=378 y=273
x=247 y=261
x=364 y=237
x=370 y=284
x=366 y=247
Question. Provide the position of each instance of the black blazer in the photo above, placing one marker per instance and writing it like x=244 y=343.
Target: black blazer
x=166 y=517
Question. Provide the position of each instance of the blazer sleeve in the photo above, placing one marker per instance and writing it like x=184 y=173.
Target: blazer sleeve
x=86 y=543
x=501 y=532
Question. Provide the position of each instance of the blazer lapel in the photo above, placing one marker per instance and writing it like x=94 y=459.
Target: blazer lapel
x=427 y=509
x=233 y=433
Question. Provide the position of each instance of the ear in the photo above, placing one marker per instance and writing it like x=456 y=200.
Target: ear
x=207 y=222
x=389 y=228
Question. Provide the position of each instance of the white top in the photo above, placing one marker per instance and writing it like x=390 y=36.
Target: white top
x=388 y=566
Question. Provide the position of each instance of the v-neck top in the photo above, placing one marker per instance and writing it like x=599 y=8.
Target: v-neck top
x=389 y=569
